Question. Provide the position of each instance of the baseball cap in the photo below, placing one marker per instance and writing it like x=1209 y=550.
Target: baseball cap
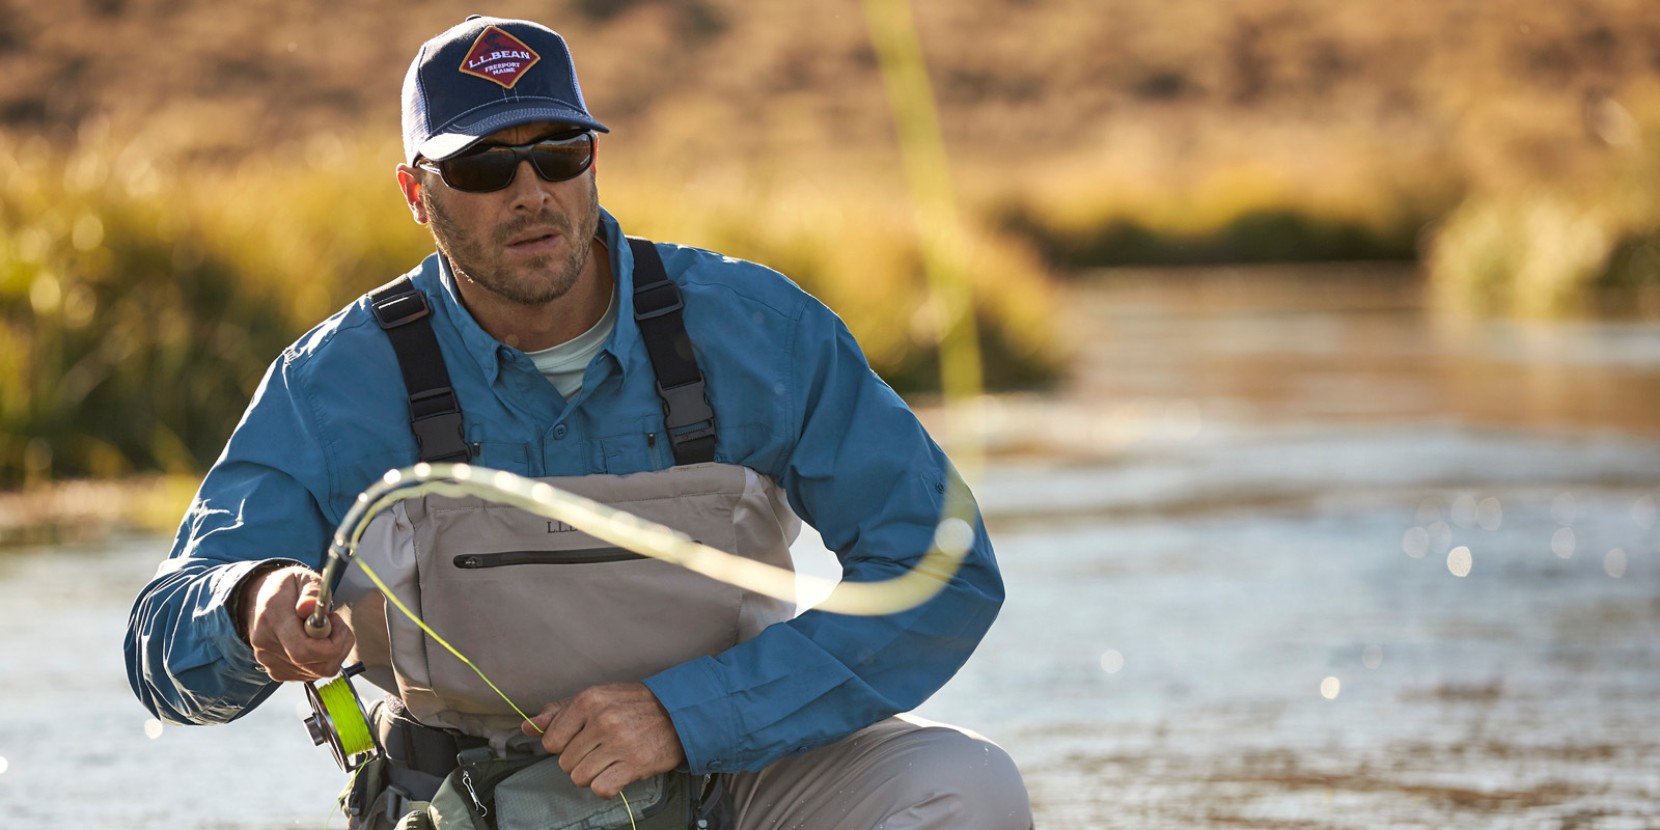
x=483 y=75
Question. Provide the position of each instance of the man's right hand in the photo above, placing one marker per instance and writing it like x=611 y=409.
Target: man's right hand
x=275 y=606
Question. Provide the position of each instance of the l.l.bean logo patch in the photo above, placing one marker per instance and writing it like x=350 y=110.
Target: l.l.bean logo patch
x=499 y=57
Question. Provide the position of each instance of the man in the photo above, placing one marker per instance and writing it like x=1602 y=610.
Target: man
x=534 y=302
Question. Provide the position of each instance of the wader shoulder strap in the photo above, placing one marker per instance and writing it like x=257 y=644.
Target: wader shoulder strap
x=434 y=412
x=686 y=414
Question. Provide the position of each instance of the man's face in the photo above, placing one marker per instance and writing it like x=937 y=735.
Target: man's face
x=527 y=243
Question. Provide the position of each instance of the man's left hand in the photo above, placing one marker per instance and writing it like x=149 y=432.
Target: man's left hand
x=610 y=736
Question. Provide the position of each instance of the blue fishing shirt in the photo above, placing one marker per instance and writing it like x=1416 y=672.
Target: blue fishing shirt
x=794 y=399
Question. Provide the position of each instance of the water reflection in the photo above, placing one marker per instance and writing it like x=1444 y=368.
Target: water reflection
x=1459 y=561
x=1337 y=343
x=1330 y=688
x=1112 y=662
x=1613 y=564
x=1490 y=513
x=1416 y=542
x=1356 y=455
x=1464 y=511
x=1372 y=657
x=1562 y=542
x=1563 y=508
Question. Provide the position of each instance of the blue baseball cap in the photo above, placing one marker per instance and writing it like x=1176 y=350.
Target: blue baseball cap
x=483 y=75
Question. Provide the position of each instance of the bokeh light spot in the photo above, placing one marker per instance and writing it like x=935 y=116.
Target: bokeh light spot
x=1429 y=510
x=1643 y=512
x=88 y=232
x=954 y=536
x=1490 y=513
x=4 y=765
x=1613 y=563
x=1459 y=561
x=1464 y=511
x=1415 y=543
x=1330 y=688
x=1112 y=661
x=1564 y=509
x=1440 y=537
x=1562 y=542
x=1372 y=656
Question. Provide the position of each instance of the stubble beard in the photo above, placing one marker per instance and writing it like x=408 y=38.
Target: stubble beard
x=535 y=281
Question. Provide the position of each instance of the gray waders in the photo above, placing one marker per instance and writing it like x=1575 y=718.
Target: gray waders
x=544 y=610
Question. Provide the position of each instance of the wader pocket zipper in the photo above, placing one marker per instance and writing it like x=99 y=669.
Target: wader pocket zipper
x=583 y=556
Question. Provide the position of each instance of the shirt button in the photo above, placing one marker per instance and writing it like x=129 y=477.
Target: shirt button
x=559 y=432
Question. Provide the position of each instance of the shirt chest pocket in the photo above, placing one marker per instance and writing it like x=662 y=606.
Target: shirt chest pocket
x=644 y=447
x=503 y=455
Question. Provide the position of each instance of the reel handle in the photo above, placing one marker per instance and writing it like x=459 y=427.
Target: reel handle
x=317 y=626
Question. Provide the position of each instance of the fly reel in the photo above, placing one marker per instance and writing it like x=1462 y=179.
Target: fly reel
x=340 y=721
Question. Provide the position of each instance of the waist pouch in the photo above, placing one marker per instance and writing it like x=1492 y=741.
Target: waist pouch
x=432 y=779
x=533 y=793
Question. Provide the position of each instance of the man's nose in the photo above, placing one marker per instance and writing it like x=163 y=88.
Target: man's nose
x=527 y=187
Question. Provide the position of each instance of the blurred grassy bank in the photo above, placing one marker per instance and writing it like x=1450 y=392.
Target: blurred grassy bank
x=139 y=305
x=1549 y=214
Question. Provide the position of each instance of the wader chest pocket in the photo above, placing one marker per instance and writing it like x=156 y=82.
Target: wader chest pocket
x=581 y=556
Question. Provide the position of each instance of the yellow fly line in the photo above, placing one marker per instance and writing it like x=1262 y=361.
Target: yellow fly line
x=952 y=540
x=345 y=714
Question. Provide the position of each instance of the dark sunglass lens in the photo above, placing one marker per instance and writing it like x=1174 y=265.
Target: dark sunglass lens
x=559 y=160
x=480 y=171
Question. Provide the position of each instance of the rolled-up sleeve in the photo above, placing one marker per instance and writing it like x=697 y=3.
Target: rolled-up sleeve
x=864 y=472
x=185 y=661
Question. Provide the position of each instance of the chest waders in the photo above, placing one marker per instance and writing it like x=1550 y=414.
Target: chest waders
x=545 y=610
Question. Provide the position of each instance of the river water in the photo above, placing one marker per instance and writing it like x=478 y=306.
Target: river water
x=1290 y=549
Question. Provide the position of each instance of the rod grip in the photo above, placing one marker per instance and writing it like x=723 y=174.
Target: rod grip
x=317 y=626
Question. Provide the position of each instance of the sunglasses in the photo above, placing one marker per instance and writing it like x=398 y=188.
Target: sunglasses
x=493 y=166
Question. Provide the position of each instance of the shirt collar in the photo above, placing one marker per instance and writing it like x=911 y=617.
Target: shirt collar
x=625 y=343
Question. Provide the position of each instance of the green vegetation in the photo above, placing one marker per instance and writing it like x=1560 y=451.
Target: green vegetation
x=1552 y=247
x=139 y=307
x=1236 y=216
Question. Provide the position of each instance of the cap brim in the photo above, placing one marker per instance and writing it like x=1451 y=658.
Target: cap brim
x=457 y=137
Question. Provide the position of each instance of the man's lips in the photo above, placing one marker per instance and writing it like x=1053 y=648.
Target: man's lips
x=534 y=241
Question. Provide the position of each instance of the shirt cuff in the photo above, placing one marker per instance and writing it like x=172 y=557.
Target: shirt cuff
x=225 y=627
x=701 y=709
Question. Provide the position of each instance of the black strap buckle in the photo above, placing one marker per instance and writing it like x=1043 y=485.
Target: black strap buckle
x=401 y=309
x=689 y=422
x=647 y=306
x=435 y=417
x=685 y=406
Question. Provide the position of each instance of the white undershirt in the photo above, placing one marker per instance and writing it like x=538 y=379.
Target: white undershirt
x=564 y=364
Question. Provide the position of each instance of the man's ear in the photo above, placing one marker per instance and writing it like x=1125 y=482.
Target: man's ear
x=409 y=181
